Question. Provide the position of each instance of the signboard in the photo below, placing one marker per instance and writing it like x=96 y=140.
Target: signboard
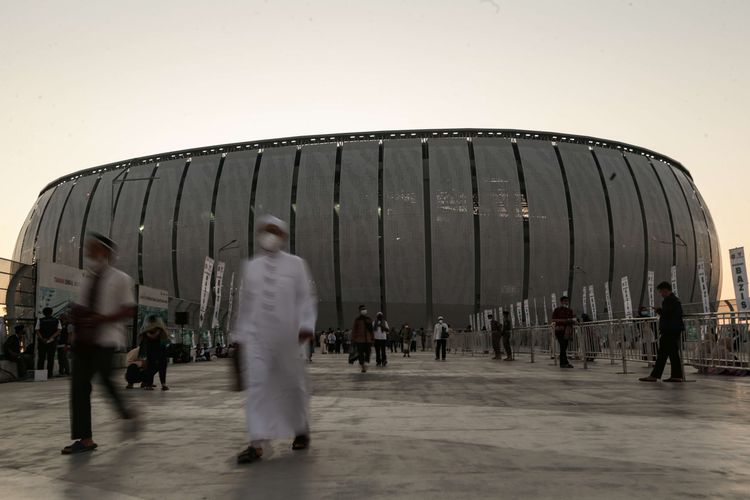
x=208 y=268
x=704 y=286
x=651 y=292
x=739 y=278
x=627 y=300
x=217 y=291
x=674 y=280
x=608 y=299
x=231 y=300
x=584 y=307
x=512 y=316
x=152 y=302
x=592 y=300
x=520 y=314
x=553 y=298
x=526 y=311
x=57 y=286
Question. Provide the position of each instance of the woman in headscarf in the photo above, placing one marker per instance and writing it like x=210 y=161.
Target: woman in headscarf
x=153 y=348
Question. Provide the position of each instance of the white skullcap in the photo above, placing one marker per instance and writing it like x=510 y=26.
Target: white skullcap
x=270 y=220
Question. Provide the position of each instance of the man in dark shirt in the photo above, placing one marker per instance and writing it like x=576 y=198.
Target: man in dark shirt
x=12 y=350
x=47 y=330
x=507 y=328
x=670 y=333
x=564 y=318
x=497 y=335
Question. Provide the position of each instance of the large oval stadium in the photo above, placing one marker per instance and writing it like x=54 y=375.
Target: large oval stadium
x=416 y=223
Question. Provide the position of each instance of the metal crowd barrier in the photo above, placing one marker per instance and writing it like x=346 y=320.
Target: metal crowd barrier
x=711 y=343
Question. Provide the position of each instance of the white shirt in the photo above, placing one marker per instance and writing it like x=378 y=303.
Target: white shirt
x=381 y=333
x=115 y=292
x=439 y=330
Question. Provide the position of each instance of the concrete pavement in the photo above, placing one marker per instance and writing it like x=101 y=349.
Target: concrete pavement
x=466 y=428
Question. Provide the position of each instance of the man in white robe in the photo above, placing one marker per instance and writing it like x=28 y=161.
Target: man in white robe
x=275 y=321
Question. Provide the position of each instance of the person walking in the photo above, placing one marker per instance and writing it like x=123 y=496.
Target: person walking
x=671 y=326
x=413 y=343
x=442 y=333
x=497 y=336
x=423 y=337
x=362 y=337
x=563 y=318
x=380 y=332
x=105 y=302
x=507 y=330
x=276 y=317
x=63 y=346
x=323 y=340
x=47 y=331
x=331 y=342
x=406 y=334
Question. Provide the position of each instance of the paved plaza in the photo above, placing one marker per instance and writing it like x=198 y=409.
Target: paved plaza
x=465 y=428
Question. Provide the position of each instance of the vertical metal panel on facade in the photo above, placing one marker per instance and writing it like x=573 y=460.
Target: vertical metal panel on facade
x=126 y=227
x=28 y=253
x=157 y=226
x=192 y=225
x=628 y=227
x=591 y=266
x=451 y=213
x=18 y=248
x=314 y=224
x=657 y=218
x=48 y=227
x=686 y=272
x=716 y=276
x=501 y=222
x=275 y=184
x=100 y=212
x=358 y=228
x=69 y=232
x=403 y=231
x=548 y=221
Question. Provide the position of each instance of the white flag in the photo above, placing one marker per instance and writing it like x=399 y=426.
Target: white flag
x=651 y=292
x=674 y=280
x=704 y=286
x=739 y=277
x=231 y=300
x=608 y=298
x=593 y=302
x=208 y=269
x=584 y=307
x=217 y=292
x=526 y=310
x=626 y=298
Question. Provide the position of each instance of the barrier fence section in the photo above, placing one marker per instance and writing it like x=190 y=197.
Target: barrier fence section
x=711 y=343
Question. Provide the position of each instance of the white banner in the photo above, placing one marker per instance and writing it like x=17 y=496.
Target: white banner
x=739 y=277
x=626 y=298
x=471 y=322
x=217 y=292
x=536 y=314
x=229 y=305
x=704 y=286
x=208 y=268
x=674 y=280
x=512 y=316
x=526 y=311
x=546 y=318
x=608 y=299
x=553 y=298
x=153 y=297
x=592 y=300
x=651 y=292
x=584 y=307
x=520 y=314
x=57 y=286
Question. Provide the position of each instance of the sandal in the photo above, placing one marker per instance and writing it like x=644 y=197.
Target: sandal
x=249 y=455
x=78 y=447
x=301 y=442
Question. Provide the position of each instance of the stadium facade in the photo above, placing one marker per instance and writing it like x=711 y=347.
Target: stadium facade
x=416 y=223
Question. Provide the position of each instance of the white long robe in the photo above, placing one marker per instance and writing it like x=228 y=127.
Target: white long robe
x=276 y=301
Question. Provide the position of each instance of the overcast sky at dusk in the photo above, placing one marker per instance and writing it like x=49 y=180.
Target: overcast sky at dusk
x=87 y=83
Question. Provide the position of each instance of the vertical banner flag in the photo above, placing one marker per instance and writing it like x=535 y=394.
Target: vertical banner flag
x=536 y=314
x=593 y=302
x=739 y=277
x=217 y=293
x=512 y=316
x=471 y=322
x=704 y=286
x=626 y=298
x=651 y=292
x=546 y=318
x=487 y=313
x=584 y=307
x=520 y=314
x=526 y=311
x=553 y=298
x=231 y=300
x=674 y=280
x=608 y=299
x=208 y=269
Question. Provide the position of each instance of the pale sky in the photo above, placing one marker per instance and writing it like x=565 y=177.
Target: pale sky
x=90 y=82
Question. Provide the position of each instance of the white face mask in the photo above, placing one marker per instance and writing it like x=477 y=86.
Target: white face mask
x=440 y=321
x=270 y=242
x=96 y=265
x=363 y=312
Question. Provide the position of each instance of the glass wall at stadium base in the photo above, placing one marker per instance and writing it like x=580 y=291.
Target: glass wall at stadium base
x=414 y=224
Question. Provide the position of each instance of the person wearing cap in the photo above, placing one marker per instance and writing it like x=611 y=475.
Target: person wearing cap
x=564 y=318
x=671 y=326
x=442 y=332
x=153 y=348
x=105 y=302
x=362 y=337
x=276 y=318
x=380 y=332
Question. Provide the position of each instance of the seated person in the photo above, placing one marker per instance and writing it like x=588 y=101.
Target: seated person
x=220 y=351
x=12 y=349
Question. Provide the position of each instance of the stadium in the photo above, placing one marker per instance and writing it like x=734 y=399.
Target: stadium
x=416 y=223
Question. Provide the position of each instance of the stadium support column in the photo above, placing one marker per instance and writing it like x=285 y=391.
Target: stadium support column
x=59 y=221
x=571 y=223
x=336 y=237
x=381 y=229
x=609 y=218
x=477 y=238
x=175 y=226
x=293 y=203
x=525 y=216
x=695 y=237
x=251 y=213
x=427 y=231
x=644 y=221
x=669 y=211
x=142 y=222
x=82 y=239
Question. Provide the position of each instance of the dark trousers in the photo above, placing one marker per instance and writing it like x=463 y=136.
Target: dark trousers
x=496 y=337
x=380 y=349
x=156 y=362
x=363 y=352
x=506 y=345
x=440 y=347
x=20 y=362
x=669 y=347
x=563 y=348
x=134 y=374
x=46 y=352
x=413 y=346
x=424 y=342
x=392 y=345
x=62 y=360
x=87 y=362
